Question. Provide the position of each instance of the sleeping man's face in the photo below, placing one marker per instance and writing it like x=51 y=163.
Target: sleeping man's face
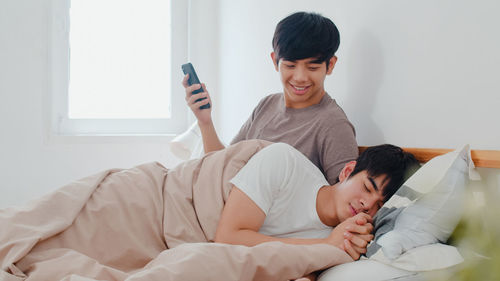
x=359 y=193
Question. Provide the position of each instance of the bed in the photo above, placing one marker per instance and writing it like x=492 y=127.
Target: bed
x=121 y=224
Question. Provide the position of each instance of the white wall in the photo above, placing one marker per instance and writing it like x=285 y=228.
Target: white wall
x=413 y=73
x=32 y=162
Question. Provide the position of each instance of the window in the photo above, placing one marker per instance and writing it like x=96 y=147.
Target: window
x=112 y=68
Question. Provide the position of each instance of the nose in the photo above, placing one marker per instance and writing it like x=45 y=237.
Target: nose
x=370 y=205
x=299 y=74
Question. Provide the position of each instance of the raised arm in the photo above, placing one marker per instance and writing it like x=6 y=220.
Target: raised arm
x=211 y=141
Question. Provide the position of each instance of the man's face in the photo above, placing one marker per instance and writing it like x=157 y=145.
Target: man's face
x=303 y=80
x=359 y=193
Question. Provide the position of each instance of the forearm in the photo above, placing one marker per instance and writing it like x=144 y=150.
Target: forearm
x=252 y=238
x=210 y=138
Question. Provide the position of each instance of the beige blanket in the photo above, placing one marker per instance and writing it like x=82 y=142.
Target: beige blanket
x=146 y=223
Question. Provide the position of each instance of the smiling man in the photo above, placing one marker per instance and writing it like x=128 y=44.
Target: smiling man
x=304 y=115
x=279 y=195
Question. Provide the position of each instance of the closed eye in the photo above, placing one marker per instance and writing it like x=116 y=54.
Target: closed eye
x=373 y=183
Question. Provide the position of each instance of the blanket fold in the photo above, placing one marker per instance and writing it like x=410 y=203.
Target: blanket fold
x=146 y=223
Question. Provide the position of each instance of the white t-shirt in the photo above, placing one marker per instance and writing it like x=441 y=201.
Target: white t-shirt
x=284 y=184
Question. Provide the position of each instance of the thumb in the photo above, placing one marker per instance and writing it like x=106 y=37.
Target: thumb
x=361 y=221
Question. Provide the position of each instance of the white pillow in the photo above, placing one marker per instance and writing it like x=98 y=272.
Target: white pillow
x=363 y=270
x=426 y=209
x=424 y=258
x=409 y=265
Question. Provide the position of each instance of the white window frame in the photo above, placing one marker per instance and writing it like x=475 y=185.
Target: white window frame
x=58 y=72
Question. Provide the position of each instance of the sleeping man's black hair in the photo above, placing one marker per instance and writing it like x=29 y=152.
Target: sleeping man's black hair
x=389 y=160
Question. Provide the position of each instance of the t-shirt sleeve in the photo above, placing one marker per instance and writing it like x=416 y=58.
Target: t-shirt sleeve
x=338 y=147
x=265 y=174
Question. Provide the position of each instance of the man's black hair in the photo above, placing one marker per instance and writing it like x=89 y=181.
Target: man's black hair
x=388 y=160
x=305 y=35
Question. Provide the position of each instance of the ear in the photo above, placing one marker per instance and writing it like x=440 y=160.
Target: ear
x=331 y=65
x=275 y=63
x=346 y=171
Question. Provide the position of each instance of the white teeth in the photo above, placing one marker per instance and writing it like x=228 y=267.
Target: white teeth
x=300 y=89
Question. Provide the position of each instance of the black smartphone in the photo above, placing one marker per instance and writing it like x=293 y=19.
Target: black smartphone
x=193 y=79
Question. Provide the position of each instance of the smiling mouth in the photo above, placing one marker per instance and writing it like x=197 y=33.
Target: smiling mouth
x=300 y=90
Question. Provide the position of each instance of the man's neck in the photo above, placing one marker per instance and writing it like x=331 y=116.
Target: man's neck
x=310 y=102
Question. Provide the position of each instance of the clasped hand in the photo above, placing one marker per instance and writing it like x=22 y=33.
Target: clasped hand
x=353 y=235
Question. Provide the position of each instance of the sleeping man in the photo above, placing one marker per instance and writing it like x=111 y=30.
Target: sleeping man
x=144 y=223
x=279 y=195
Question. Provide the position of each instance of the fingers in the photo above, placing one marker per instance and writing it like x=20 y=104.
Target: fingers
x=191 y=89
x=207 y=95
x=190 y=98
x=363 y=220
x=357 y=234
x=349 y=249
x=360 y=241
x=355 y=245
x=366 y=228
x=359 y=250
x=185 y=80
x=363 y=217
x=197 y=100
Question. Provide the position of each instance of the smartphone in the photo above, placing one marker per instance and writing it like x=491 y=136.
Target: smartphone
x=193 y=79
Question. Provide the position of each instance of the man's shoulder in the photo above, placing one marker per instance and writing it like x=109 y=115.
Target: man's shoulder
x=331 y=116
x=332 y=120
x=273 y=96
x=269 y=104
x=271 y=99
x=330 y=104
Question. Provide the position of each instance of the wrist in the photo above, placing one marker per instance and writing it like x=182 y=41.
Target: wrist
x=335 y=242
x=205 y=123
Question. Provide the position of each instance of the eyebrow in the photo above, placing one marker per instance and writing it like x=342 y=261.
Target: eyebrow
x=374 y=184
x=313 y=61
x=316 y=61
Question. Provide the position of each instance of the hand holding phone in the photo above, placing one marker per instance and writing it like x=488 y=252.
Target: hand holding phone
x=193 y=79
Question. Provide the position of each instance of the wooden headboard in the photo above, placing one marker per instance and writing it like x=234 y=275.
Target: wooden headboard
x=481 y=158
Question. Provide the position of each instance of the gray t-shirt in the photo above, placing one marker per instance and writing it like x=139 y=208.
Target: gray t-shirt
x=321 y=132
